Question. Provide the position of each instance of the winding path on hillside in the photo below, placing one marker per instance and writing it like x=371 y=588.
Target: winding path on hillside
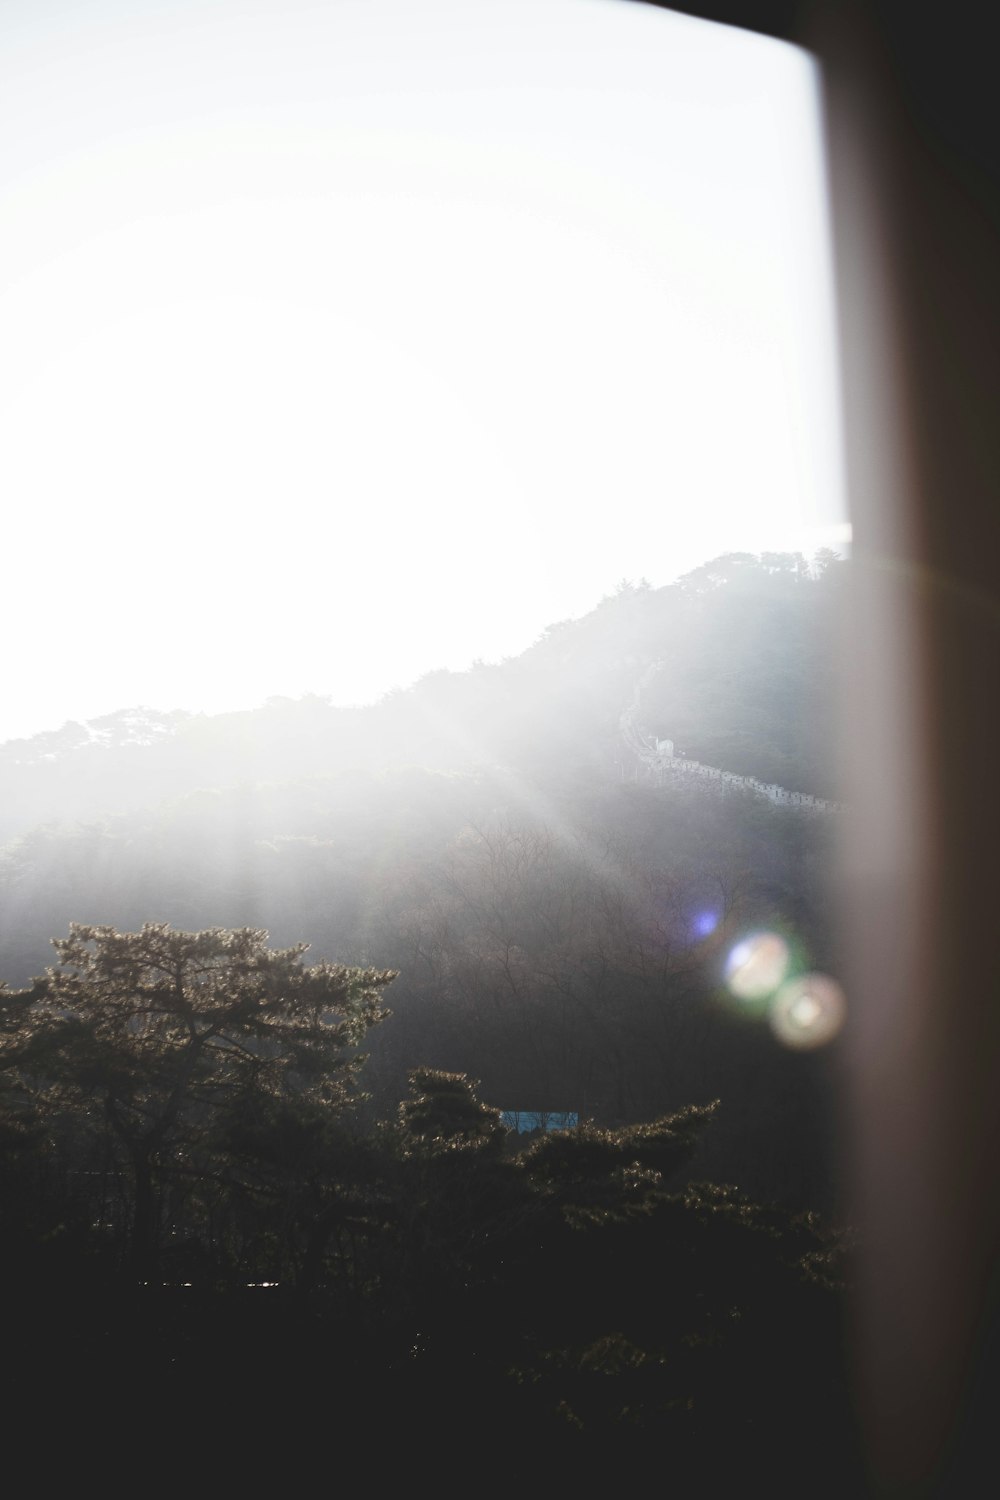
x=659 y=759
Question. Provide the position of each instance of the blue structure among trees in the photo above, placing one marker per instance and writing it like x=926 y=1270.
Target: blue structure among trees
x=526 y=1120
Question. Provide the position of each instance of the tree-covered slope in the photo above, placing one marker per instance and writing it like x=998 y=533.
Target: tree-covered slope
x=745 y=649
x=560 y=931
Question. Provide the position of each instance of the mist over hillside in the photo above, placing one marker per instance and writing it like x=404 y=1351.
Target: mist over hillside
x=744 y=658
x=559 y=918
x=525 y=890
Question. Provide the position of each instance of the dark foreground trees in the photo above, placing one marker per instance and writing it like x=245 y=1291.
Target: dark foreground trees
x=584 y=1290
x=209 y=1248
x=139 y=1071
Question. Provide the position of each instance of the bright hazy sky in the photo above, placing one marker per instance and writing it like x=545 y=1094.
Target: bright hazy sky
x=343 y=341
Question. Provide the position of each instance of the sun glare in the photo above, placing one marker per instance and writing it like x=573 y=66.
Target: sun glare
x=757 y=965
x=332 y=354
x=808 y=1012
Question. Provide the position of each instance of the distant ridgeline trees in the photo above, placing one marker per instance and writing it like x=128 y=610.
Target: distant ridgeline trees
x=180 y=1139
x=747 y=645
x=752 y=688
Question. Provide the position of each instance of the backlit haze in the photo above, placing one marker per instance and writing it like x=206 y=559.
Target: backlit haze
x=343 y=342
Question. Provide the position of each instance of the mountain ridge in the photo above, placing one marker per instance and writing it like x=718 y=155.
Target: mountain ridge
x=767 y=716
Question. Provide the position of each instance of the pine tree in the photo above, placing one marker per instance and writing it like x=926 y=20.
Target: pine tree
x=139 y=1049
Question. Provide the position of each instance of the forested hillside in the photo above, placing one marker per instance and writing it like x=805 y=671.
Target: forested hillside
x=559 y=923
x=745 y=653
x=505 y=909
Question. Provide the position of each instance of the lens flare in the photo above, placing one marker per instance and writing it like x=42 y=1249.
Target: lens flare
x=757 y=965
x=808 y=1011
x=705 y=923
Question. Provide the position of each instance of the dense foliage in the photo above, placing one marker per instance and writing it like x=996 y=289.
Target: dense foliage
x=175 y=1125
x=214 y=1201
x=487 y=835
x=168 y=1076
